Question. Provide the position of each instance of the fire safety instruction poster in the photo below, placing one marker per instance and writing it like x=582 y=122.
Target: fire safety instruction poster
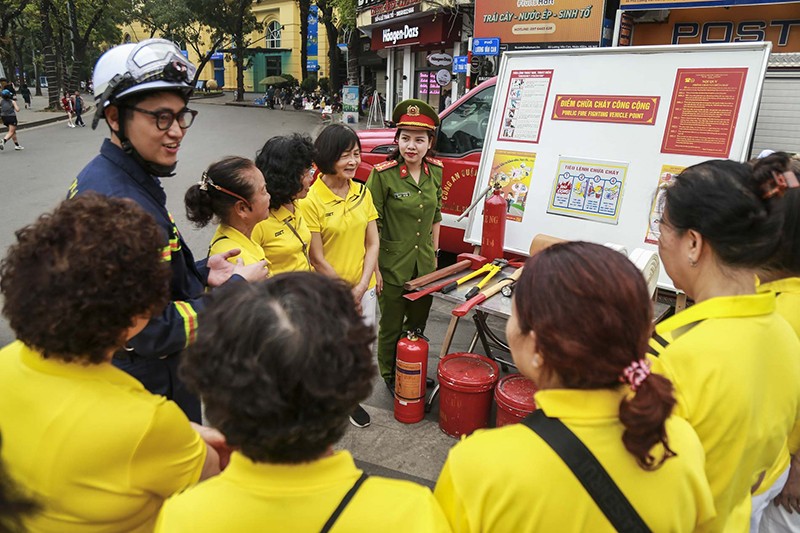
x=668 y=172
x=588 y=188
x=524 y=106
x=513 y=170
x=703 y=112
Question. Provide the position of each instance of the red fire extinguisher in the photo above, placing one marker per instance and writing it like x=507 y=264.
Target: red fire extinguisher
x=410 y=372
x=494 y=224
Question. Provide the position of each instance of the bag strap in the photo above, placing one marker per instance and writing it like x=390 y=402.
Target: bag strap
x=342 y=504
x=585 y=466
x=302 y=244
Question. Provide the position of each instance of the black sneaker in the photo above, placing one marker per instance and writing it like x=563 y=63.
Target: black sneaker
x=360 y=418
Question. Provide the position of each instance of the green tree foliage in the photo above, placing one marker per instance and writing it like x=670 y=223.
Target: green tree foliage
x=228 y=19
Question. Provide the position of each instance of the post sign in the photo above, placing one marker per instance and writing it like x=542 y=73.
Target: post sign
x=486 y=47
x=460 y=65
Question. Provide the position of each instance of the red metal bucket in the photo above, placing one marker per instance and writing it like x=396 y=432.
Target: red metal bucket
x=514 y=397
x=466 y=381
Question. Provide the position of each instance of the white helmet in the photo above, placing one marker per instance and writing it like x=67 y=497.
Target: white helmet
x=150 y=65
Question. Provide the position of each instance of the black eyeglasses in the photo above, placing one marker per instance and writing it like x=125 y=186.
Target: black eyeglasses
x=165 y=118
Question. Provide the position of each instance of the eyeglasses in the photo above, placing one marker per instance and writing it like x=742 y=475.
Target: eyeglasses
x=165 y=118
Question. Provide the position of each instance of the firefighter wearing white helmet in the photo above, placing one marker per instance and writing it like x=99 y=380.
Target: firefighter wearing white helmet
x=142 y=90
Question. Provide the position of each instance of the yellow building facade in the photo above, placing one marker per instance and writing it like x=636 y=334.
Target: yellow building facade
x=273 y=50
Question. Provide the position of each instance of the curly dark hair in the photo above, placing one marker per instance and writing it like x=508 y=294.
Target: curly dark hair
x=559 y=284
x=14 y=505
x=281 y=364
x=331 y=143
x=284 y=160
x=85 y=272
x=228 y=173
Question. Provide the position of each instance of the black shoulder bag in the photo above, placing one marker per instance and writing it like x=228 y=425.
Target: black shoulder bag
x=594 y=478
x=342 y=504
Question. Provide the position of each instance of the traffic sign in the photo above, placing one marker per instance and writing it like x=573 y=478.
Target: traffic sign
x=459 y=64
x=486 y=47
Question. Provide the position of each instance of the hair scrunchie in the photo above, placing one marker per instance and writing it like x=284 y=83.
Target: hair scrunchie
x=635 y=373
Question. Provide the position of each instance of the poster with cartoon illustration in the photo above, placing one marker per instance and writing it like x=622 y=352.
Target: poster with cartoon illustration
x=668 y=172
x=513 y=171
x=588 y=188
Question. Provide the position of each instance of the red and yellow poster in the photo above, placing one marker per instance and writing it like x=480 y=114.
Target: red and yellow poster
x=703 y=111
x=528 y=24
x=614 y=109
x=513 y=170
x=668 y=172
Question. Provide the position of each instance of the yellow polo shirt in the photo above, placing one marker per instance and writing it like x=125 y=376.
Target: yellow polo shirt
x=787 y=304
x=91 y=444
x=342 y=224
x=227 y=238
x=735 y=364
x=249 y=497
x=287 y=250
x=508 y=479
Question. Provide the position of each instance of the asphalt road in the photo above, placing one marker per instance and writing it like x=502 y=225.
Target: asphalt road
x=36 y=179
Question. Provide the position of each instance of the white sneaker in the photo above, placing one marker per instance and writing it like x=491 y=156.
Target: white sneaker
x=72 y=125
x=18 y=147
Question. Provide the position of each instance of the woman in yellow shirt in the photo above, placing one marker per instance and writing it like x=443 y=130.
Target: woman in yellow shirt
x=581 y=336
x=287 y=164
x=782 y=277
x=234 y=192
x=95 y=449
x=343 y=224
x=733 y=359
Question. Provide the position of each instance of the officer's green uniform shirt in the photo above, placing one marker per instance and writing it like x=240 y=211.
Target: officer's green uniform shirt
x=407 y=211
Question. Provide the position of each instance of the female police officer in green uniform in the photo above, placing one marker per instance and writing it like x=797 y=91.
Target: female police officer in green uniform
x=407 y=192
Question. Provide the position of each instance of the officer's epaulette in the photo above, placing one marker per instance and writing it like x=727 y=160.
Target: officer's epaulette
x=434 y=161
x=380 y=167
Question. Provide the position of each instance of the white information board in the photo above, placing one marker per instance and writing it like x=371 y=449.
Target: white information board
x=582 y=139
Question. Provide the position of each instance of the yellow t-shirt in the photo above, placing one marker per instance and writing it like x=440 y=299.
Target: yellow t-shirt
x=735 y=364
x=91 y=444
x=508 y=479
x=249 y=497
x=227 y=238
x=342 y=224
x=287 y=250
x=787 y=304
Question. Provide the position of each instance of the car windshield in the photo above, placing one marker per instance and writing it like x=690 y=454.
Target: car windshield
x=464 y=129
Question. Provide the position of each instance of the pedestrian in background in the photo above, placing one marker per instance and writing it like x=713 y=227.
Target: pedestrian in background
x=407 y=191
x=66 y=105
x=342 y=219
x=25 y=92
x=232 y=191
x=8 y=114
x=287 y=164
x=77 y=106
x=280 y=365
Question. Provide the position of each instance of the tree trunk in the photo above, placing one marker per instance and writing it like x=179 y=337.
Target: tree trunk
x=48 y=51
x=334 y=55
x=239 y=42
x=305 y=7
x=353 y=51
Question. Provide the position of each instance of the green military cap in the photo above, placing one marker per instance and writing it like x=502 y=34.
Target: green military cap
x=413 y=114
